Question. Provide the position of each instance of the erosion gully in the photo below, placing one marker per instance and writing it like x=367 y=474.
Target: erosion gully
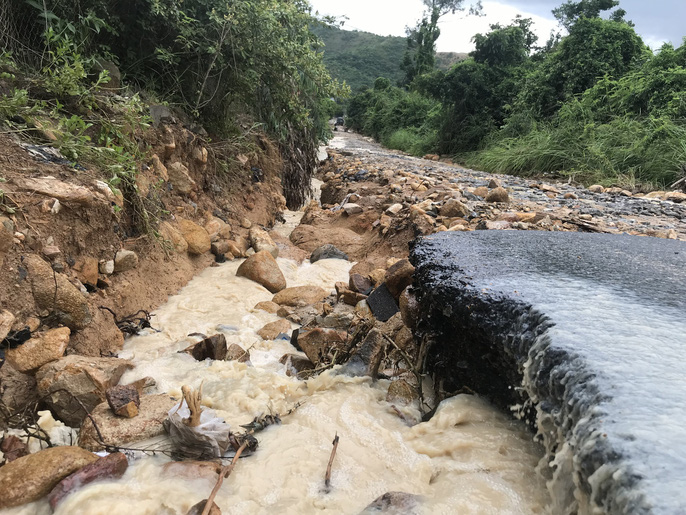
x=468 y=458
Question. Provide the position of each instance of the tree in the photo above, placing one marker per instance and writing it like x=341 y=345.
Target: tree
x=420 y=55
x=570 y=12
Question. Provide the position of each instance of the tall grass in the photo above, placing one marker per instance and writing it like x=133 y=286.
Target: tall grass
x=645 y=153
x=413 y=141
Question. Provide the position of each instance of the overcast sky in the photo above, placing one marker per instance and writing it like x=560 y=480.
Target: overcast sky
x=656 y=20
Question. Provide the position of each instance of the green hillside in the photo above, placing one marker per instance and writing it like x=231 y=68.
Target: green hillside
x=360 y=57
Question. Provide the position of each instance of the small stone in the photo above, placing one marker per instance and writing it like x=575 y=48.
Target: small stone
x=214 y=348
x=570 y=196
x=394 y=209
x=327 y=252
x=31 y=477
x=159 y=169
x=51 y=251
x=246 y=223
x=124 y=400
x=237 y=353
x=596 y=188
x=400 y=392
x=263 y=269
x=493 y=184
x=220 y=248
x=125 y=260
x=106 y=267
x=111 y=466
x=17 y=390
x=377 y=276
x=498 y=195
x=87 y=270
x=13 y=448
x=39 y=350
x=299 y=296
x=180 y=178
x=268 y=306
x=360 y=284
x=393 y=503
x=274 y=329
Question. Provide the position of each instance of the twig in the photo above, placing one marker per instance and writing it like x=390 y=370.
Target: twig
x=327 y=478
x=225 y=472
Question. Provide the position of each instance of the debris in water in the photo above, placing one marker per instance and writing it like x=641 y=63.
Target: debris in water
x=327 y=478
x=132 y=324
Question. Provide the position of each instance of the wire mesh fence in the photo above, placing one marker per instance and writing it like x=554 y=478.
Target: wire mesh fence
x=21 y=31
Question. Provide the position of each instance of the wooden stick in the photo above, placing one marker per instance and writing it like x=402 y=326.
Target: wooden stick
x=327 y=478
x=225 y=472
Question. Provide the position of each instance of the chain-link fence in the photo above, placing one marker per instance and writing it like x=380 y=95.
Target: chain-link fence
x=21 y=31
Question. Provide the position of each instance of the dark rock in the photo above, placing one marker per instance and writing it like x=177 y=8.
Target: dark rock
x=111 y=466
x=382 y=303
x=360 y=284
x=199 y=508
x=318 y=342
x=13 y=447
x=124 y=400
x=367 y=359
x=237 y=353
x=394 y=503
x=213 y=347
x=296 y=364
x=327 y=252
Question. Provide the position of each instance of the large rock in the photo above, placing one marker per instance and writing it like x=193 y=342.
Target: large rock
x=111 y=466
x=174 y=236
x=327 y=251
x=54 y=292
x=125 y=260
x=296 y=364
x=31 y=477
x=260 y=240
x=123 y=431
x=398 y=277
x=318 y=342
x=213 y=347
x=309 y=237
x=78 y=377
x=86 y=269
x=263 y=269
x=274 y=329
x=197 y=237
x=39 y=350
x=498 y=195
x=180 y=179
x=453 y=208
x=393 y=503
x=17 y=390
x=367 y=359
x=299 y=296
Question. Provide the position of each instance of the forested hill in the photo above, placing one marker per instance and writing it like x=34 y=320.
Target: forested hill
x=360 y=57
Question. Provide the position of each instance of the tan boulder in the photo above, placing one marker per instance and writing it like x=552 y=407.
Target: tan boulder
x=263 y=269
x=174 y=236
x=197 y=237
x=399 y=276
x=596 y=188
x=309 y=237
x=215 y=226
x=300 y=296
x=31 y=477
x=39 y=350
x=260 y=240
x=73 y=381
x=65 y=299
x=268 y=306
x=273 y=329
x=453 y=208
x=180 y=179
x=498 y=195
x=121 y=431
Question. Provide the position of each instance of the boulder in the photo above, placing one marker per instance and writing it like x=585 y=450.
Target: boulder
x=120 y=431
x=180 y=179
x=125 y=260
x=78 y=377
x=41 y=349
x=197 y=237
x=213 y=347
x=86 y=269
x=263 y=269
x=399 y=276
x=299 y=296
x=6 y=323
x=596 y=188
x=274 y=329
x=352 y=209
x=260 y=240
x=111 y=466
x=237 y=353
x=453 y=208
x=309 y=237
x=401 y=392
x=106 y=267
x=216 y=226
x=268 y=306
x=367 y=359
x=318 y=342
x=360 y=284
x=123 y=400
x=498 y=195
x=17 y=390
x=295 y=364
x=327 y=251
x=174 y=236
x=64 y=299
x=31 y=477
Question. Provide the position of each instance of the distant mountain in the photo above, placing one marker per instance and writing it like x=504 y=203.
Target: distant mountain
x=360 y=58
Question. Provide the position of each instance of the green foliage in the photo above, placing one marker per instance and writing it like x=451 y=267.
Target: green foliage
x=570 y=12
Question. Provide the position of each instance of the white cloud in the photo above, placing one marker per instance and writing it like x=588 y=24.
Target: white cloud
x=390 y=17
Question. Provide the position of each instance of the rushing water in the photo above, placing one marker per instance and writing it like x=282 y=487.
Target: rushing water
x=468 y=458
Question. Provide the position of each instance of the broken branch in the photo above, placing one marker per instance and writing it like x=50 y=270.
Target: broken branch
x=327 y=478
x=225 y=472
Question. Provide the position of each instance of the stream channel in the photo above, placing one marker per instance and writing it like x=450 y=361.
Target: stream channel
x=469 y=458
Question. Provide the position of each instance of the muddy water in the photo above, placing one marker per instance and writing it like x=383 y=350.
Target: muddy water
x=468 y=459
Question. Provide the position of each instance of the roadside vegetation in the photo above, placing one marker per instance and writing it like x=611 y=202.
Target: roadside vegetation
x=596 y=104
x=233 y=67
